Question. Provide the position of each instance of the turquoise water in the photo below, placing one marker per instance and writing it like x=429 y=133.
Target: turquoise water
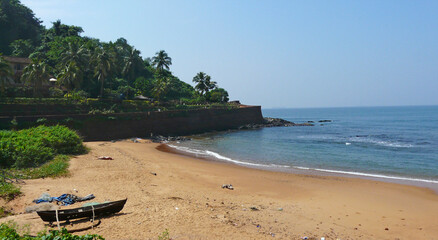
x=385 y=142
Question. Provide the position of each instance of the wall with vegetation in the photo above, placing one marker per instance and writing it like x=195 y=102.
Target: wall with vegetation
x=126 y=125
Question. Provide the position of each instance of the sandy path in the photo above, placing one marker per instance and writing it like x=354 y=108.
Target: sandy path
x=186 y=197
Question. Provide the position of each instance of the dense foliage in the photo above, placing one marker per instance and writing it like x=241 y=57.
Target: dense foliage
x=35 y=146
x=8 y=231
x=18 y=27
x=88 y=65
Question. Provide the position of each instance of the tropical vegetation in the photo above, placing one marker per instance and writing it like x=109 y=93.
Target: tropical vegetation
x=9 y=231
x=35 y=146
x=114 y=70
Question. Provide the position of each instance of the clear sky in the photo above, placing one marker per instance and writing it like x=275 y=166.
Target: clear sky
x=279 y=53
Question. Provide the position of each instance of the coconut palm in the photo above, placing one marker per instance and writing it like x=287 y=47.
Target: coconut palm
x=161 y=61
x=131 y=63
x=203 y=83
x=5 y=73
x=71 y=77
x=35 y=74
x=103 y=62
x=161 y=87
x=76 y=53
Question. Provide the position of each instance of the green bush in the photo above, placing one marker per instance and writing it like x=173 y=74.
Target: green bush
x=8 y=231
x=35 y=146
x=8 y=191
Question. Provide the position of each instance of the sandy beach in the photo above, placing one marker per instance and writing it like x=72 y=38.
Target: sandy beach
x=185 y=197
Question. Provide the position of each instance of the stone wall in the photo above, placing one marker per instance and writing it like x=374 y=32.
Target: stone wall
x=126 y=125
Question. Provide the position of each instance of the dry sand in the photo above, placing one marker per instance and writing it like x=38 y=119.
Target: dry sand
x=186 y=198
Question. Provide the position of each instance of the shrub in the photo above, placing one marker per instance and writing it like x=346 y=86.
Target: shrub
x=56 y=92
x=8 y=231
x=8 y=191
x=35 y=146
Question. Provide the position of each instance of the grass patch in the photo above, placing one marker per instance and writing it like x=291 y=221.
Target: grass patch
x=58 y=167
x=10 y=231
x=9 y=191
x=4 y=212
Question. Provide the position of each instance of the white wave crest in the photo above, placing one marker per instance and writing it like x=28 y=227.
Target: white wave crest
x=207 y=153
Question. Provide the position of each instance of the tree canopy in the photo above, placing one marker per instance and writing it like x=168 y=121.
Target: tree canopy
x=97 y=68
x=17 y=22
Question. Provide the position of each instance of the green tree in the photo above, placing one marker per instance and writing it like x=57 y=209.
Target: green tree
x=76 y=52
x=103 y=64
x=17 y=22
x=161 y=61
x=143 y=86
x=218 y=95
x=132 y=64
x=203 y=83
x=161 y=86
x=35 y=74
x=5 y=73
x=62 y=30
x=22 y=48
x=71 y=77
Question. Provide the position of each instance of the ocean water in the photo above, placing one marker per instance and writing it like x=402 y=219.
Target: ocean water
x=399 y=143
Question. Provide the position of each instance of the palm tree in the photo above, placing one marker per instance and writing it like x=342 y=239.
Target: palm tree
x=160 y=88
x=104 y=64
x=70 y=76
x=5 y=73
x=131 y=62
x=75 y=53
x=161 y=61
x=35 y=74
x=203 y=83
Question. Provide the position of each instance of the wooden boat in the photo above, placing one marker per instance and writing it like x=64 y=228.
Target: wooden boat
x=83 y=212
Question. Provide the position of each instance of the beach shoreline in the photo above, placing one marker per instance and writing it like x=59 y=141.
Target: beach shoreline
x=185 y=195
x=165 y=147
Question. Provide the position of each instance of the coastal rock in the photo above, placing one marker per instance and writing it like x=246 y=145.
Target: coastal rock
x=274 y=122
x=321 y=121
x=160 y=139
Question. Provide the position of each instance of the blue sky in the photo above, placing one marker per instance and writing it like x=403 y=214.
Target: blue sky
x=279 y=53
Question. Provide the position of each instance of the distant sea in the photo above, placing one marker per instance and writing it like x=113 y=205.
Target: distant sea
x=387 y=143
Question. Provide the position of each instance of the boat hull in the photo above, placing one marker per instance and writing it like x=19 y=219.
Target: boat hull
x=83 y=212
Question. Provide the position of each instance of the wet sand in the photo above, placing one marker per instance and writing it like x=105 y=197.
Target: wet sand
x=185 y=197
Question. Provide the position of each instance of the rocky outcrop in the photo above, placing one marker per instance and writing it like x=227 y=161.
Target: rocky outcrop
x=274 y=122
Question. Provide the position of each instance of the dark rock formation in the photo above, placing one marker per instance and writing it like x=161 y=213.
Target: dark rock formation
x=273 y=122
x=321 y=121
x=159 y=139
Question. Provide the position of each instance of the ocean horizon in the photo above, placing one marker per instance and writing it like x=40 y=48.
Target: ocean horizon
x=387 y=143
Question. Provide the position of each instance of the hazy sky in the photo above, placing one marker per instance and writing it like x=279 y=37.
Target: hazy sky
x=279 y=53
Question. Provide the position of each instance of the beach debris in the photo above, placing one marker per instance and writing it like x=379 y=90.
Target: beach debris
x=280 y=209
x=105 y=158
x=305 y=238
x=254 y=209
x=228 y=186
x=136 y=140
x=386 y=229
x=323 y=238
x=42 y=207
x=176 y=208
x=64 y=199
x=75 y=190
x=154 y=173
